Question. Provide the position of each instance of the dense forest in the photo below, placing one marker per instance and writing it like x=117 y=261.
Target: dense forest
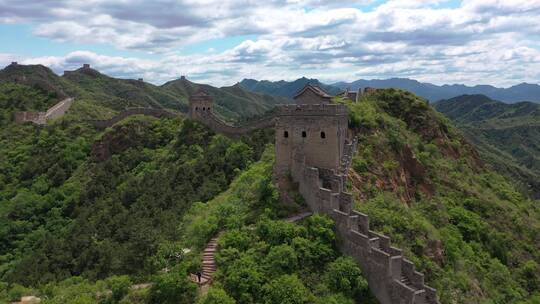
x=122 y=215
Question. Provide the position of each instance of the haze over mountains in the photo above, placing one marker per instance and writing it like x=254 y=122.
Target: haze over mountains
x=517 y=93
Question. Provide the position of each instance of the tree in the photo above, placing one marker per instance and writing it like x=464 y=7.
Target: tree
x=344 y=275
x=216 y=296
x=282 y=259
x=287 y=289
x=173 y=288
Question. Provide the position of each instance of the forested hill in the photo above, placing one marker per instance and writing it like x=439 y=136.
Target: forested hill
x=507 y=135
x=86 y=214
x=100 y=96
x=467 y=228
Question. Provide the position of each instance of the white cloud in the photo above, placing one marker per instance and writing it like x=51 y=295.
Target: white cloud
x=480 y=41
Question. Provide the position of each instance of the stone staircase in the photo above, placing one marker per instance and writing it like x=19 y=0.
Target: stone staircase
x=208 y=263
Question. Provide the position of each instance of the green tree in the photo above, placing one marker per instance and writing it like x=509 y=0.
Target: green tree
x=173 y=288
x=344 y=275
x=216 y=296
x=282 y=259
x=287 y=289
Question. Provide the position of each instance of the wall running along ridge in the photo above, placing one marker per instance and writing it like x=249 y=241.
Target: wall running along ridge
x=41 y=118
x=392 y=278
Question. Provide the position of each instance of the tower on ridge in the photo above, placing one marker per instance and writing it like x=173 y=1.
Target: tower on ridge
x=200 y=104
x=316 y=131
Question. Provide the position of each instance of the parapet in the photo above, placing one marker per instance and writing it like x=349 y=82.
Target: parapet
x=14 y=63
x=391 y=277
x=86 y=66
x=313 y=110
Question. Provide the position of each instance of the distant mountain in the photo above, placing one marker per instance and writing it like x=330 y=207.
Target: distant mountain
x=507 y=135
x=100 y=95
x=285 y=88
x=521 y=92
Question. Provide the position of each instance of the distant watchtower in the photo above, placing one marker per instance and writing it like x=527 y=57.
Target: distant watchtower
x=200 y=104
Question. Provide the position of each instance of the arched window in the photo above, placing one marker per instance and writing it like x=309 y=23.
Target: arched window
x=304 y=134
x=286 y=134
x=196 y=108
x=323 y=135
x=204 y=109
x=208 y=109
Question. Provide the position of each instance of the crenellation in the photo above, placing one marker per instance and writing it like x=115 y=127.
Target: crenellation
x=41 y=118
x=312 y=146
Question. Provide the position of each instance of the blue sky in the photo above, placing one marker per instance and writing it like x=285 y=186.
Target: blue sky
x=221 y=42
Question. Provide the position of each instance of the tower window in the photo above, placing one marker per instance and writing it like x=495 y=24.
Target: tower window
x=208 y=109
x=323 y=135
x=304 y=134
x=286 y=134
x=204 y=109
x=196 y=108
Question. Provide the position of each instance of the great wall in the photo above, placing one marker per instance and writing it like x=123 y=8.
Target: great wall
x=41 y=118
x=314 y=146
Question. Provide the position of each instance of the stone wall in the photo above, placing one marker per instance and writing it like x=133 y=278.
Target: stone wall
x=320 y=130
x=158 y=113
x=391 y=277
x=217 y=125
x=41 y=118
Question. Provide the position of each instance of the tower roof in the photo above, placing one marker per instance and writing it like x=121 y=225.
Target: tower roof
x=315 y=89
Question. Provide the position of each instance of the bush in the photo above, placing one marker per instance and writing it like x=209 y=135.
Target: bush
x=173 y=288
x=216 y=296
x=282 y=259
x=119 y=286
x=287 y=289
x=344 y=275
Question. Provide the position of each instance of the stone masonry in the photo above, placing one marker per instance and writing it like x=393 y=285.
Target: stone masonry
x=41 y=118
x=312 y=146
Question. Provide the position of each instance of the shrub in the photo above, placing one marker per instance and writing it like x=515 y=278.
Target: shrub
x=344 y=275
x=216 y=296
x=282 y=259
x=287 y=289
x=173 y=288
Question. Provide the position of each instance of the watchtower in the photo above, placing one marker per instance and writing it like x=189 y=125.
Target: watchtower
x=200 y=104
x=316 y=131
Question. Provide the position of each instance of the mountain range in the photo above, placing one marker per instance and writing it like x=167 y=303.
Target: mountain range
x=101 y=95
x=506 y=135
x=431 y=92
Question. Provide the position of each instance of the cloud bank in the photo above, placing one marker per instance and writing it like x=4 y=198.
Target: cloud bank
x=473 y=41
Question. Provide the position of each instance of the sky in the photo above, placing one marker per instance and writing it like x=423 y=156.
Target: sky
x=220 y=42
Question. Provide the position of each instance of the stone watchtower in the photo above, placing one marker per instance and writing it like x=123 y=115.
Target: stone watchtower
x=316 y=131
x=200 y=105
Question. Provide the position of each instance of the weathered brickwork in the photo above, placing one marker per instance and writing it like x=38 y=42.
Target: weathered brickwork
x=158 y=113
x=312 y=146
x=392 y=278
x=41 y=118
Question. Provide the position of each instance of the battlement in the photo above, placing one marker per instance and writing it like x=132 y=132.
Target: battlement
x=14 y=63
x=313 y=110
x=86 y=66
x=391 y=277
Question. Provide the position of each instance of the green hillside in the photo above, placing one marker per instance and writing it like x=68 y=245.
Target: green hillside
x=464 y=226
x=507 y=135
x=99 y=96
x=233 y=103
x=87 y=214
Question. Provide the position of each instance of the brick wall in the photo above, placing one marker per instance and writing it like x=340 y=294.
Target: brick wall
x=392 y=278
